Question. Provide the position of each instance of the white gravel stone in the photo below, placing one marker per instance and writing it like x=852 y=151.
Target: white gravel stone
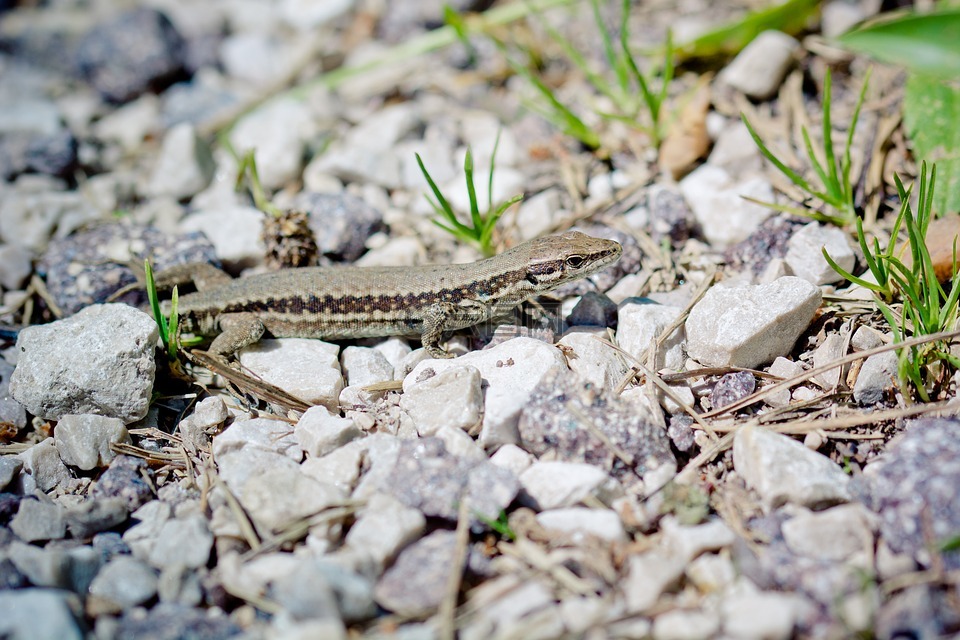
x=318 y=432
x=686 y=625
x=304 y=368
x=764 y=616
x=592 y=360
x=711 y=572
x=383 y=527
x=38 y=613
x=276 y=436
x=511 y=370
x=786 y=369
x=84 y=440
x=603 y=523
x=15 y=266
x=782 y=470
x=29 y=116
x=717 y=202
x=278 y=132
x=182 y=542
x=130 y=124
x=363 y=366
x=865 y=338
x=735 y=151
x=840 y=16
x=100 y=360
x=840 y=534
x=649 y=574
x=234 y=232
x=640 y=321
x=185 y=164
x=395 y=350
x=42 y=461
x=31 y=216
x=512 y=458
x=537 y=214
x=451 y=398
x=877 y=375
x=37 y=521
x=458 y=443
x=309 y=14
x=509 y=603
x=805 y=255
x=689 y=541
x=122 y=583
x=830 y=350
x=760 y=67
x=552 y=485
x=749 y=326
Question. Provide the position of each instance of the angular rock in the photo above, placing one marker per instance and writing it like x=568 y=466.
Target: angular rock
x=307 y=369
x=93 y=516
x=277 y=132
x=640 y=322
x=759 y=615
x=185 y=164
x=686 y=625
x=182 y=542
x=127 y=479
x=42 y=461
x=39 y=521
x=104 y=359
x=732 y=387
x=512 y=371
x=840 y=534
x=318 y=432
x=782 y=470
x=877 y=377
x=9 y=469
x=649 y=574
x=580 y=423
x=276 y=436
x=175 y=621
x=39 y=613
x=122 y=583
x=416 y=583
x=593 y=310
x=553 y=485
x=748 y=326
x=805 y=253
x=591 y=360
x=760 y=67
x=234 y=232
x=603 y=523
x=717 y=202
x=451 y=398
x=84 y=440
x=137 y=50
x=363 y=366
x=383 y=527
x=340 y=222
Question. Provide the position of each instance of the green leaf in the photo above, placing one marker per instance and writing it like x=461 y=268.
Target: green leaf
x=925 y=44
x=931 y=111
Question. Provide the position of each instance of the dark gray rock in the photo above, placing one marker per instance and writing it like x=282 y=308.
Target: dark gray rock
x=732 y=387
x=39 y=521
x=577 y=422
x=122 y=583
x=10 y=466
x=670 y=215
x=125 y=479
x=39 y=613
x=136 y=51
x=93 y=516
x=195 y=102
x=769 y=241
x=594 y=310
x=913 y=488
x=680 y=432
x=82 y=270
x=174 y=622
x=9 y=504
x=10 y=576
x=417 y=582
x=54 y=155
x=110 y=544
x=57 y=565
x=340 y=222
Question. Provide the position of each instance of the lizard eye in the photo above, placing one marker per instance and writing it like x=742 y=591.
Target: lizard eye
x=575 y=262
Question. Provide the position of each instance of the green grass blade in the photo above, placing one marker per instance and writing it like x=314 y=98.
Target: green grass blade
x=443 y=204
x=847 y=162
x=818 y=168
x=833 y=180
x=472 y=192
x=608 y=51
x=175 y=323
x=493 y=166
x=792 y=175
x=849 y=276
x=151 y=286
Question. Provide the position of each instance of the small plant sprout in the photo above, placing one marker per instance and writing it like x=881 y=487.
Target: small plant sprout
x=169 y=327
x=835 y=189
x=480 y=230
x=925 y=307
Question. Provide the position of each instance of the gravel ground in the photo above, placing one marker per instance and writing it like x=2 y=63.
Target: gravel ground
x=589 y=469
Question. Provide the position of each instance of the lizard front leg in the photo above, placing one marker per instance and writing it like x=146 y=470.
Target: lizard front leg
x=443 y=315
x=237 y=331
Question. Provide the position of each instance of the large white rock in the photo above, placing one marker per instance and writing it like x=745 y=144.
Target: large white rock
x=592 y=360
x=307 y=369
x=760 y=67
x=805 y=253
x=452 y=398
x=640 y=321
x=716 y=200
x=749 y=326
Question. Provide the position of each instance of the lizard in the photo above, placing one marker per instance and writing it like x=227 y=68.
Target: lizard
x=363 y=302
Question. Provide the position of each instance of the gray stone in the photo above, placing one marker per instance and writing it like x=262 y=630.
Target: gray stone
x=185 y=164
x=29 y=115
x=749 y=326
x=511 y=371
x=716 y=199
x=865 y=338
x=318 y=432
x=127 y=478
x=878 y=376
x=593 y=310
x=56 y=566
x=805 y=253
x=417 y=582
x=234 y=232
x=142 y=536
x=640 y=321
x=9 y=469
x=39 y=521
x=93 y=516
x=686 y=625
x=31 y=217
x=104 y=359
x=307 y=369
x=782 y=470
x=648 y=575
x=15 y=266
x=122 y=583
x=451 y=398
x=84 y=440
x=912 y=487
x=182 y=541
x=305 y=594
x=168 y=620
x=383 y=526
x=42 y=461
x=732 y=387
x=578 y=422
x=829 y=351
x=840 y=534
x=341 y=223
x=760 y=67
x=277 y=132
x=591 y=359
x=352 y=593
x=276 y=436
x=39 y=613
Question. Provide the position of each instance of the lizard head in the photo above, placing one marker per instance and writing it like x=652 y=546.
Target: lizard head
x=555 y=260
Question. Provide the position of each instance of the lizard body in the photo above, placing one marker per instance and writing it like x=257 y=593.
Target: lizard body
x=359 y=302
